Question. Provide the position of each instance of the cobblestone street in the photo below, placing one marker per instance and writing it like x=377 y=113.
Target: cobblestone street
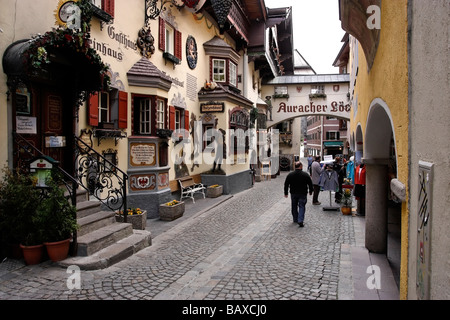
x=244 y=248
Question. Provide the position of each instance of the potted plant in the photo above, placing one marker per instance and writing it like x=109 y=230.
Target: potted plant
x=20 y=226
x=214 y=191
x=58 y=216
x=171 y=210
x=135 y=216
x=346 y=202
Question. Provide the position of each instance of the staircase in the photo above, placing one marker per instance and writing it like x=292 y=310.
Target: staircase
x=102 y=241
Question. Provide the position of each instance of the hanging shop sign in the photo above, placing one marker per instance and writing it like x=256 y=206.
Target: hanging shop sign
x=212 y=107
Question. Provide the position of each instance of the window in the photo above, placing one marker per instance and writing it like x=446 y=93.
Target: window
x=281 y=90
x=145 y=116
x=233 y=74
x=160 y=114
x=105 y=5
x=170 y=41
x=333 y=135
x=149 y=114
x=177 y=119
x=219 y=70
x=103 y=107
x=108 y=107
x=317 y=89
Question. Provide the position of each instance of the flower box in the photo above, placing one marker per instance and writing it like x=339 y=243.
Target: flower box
x=171 y=210
x=137 y=220
x=214 y=191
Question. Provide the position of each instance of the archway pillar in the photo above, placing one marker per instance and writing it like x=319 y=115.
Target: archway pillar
x=376 y=204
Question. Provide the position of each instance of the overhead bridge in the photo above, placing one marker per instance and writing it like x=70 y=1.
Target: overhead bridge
x=296 y=96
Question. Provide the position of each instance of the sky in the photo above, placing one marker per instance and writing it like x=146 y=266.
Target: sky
x=317 y=31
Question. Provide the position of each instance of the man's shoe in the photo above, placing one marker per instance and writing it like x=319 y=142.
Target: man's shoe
x=301 y=224
x=317 y=203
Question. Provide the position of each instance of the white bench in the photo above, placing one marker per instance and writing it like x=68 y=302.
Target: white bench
x=189 y=188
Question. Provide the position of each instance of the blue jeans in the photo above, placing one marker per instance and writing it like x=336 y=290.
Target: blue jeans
x=298 y=203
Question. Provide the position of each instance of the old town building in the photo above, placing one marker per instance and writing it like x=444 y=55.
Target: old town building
x=397 y=134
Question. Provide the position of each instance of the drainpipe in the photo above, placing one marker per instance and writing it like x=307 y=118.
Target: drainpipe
x=245 y=74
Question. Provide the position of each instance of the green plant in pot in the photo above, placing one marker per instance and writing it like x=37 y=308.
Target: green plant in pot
x=19 y=222
x=59 y=219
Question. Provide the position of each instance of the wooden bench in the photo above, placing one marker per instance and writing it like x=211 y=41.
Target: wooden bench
x=189 y=188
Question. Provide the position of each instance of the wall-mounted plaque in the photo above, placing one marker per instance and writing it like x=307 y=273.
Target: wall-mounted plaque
x=142 y=154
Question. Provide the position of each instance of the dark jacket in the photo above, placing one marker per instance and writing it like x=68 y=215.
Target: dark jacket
x=298 y=183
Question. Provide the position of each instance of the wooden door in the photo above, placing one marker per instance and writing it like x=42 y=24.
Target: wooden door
x=57 y=127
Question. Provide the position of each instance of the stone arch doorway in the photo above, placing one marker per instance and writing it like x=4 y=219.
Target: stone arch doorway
x=383 y=212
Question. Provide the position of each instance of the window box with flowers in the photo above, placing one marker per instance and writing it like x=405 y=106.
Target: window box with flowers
x=135 y=216
x=171 y=210
x=214 y=191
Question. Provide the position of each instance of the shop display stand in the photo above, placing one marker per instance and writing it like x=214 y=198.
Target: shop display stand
x=331 y=207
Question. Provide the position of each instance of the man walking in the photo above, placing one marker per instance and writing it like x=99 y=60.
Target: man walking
x=298 y=182
x=316 y=170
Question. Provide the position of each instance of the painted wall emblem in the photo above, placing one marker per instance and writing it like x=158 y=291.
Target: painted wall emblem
x=191 y=52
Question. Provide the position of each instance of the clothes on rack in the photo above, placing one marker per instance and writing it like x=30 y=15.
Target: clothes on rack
x=360 y=181
x=329 y=180
x=351 y=170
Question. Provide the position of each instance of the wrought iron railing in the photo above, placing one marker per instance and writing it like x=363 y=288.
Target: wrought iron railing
x=102 y=178
x=92 y=172
x=25 y=153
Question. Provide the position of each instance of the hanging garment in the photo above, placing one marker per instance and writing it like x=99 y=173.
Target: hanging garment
x=360 y=182
x=329 y=180
x=351 y=171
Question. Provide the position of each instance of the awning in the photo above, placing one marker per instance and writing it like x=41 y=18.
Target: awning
x=67 y=67
x=328 y=144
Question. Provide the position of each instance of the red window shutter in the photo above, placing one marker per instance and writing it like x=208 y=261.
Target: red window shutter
x=186 y=120
x=171 y=118
x=123 y=110
x=108 y=7
x=162 y=34
x=93 y=110
x=178 y=50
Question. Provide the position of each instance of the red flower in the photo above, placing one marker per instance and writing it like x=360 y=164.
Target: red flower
x=68 y=37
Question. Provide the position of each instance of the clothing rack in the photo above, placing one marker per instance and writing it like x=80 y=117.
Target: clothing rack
x=331 y=207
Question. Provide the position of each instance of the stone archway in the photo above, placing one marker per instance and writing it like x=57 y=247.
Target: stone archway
x=379 y=155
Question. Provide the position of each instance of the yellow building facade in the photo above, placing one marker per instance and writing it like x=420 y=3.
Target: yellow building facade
x=379 y=122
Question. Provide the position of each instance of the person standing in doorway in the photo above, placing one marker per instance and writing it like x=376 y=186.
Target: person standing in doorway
x=298 y=183
x=316 y=171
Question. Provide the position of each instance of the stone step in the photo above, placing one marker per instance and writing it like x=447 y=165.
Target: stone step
x=112 y=254
x=103 y=237
x=86 y=208
x=95 y=221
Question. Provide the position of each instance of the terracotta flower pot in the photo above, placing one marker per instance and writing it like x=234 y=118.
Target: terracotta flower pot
x=32 y=254
x=59 y=250
x=346 y=211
